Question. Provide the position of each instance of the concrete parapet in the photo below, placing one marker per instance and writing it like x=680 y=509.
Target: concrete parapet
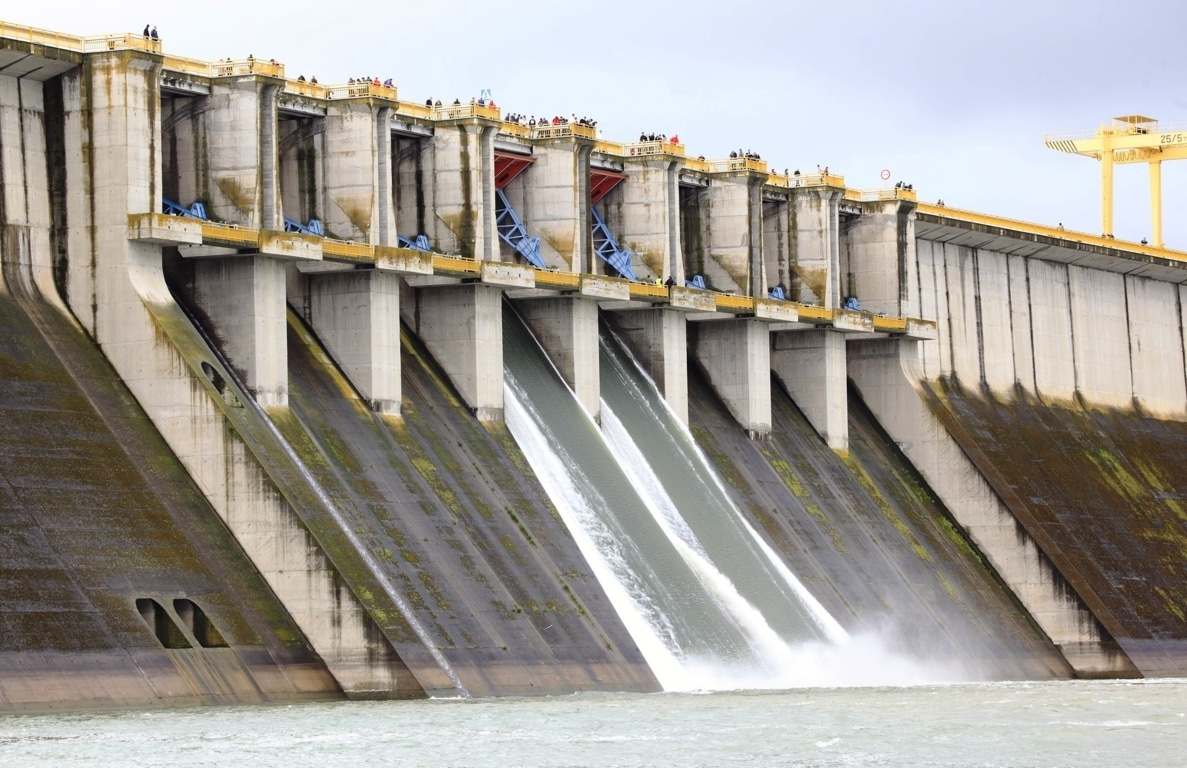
x=658 y=338
x=885 y=372
x=567 y=329
x=356 y=315
x=462 y=326
x=736 y=356
x=811 y=365
x=245 y=301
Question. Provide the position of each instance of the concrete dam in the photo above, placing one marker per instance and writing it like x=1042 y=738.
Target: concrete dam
x=309 y=391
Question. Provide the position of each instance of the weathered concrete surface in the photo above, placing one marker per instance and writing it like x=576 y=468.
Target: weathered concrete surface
x=658 y=338
x=886 y=373
x=567 y=329
x=1102 y=492
x=869 y=540
x=96 y=514
x=448 y=509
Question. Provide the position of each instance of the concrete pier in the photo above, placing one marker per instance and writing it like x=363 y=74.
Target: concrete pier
x=723 y=239
x=812 y=366
x=567 y=328
x=646 y=216
x=659 y=340
x=736 y=356
x=463 y=191
x=552 y=198
x=815 y=244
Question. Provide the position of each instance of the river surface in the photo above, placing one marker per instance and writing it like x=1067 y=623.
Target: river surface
x=1064 y=723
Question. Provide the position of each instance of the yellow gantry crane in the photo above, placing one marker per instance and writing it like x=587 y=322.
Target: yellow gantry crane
x=1129 y=139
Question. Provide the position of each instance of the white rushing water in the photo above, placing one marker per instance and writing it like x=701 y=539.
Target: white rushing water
x=710 y=605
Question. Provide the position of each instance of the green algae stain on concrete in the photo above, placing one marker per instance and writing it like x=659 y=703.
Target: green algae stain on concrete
x=887 y=509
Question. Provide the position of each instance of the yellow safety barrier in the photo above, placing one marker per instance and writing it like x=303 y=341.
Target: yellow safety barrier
x=972 y=217
x=814 y=314
x=732 y=303
x=192 y=67
x=546 y=278
x=738 y=164
x=304 y=88
x=422 y=111
x=697 y=164
x=515 y=129
x=361 y=90
x=638 y=148
x=544 y=131
x=460 y=111
x=347 y=249
x=649 y=291
x=808 y=180
x=890 y=324
x=616 y=148
x=456 y=265
x=248 y=66
x=229 y=234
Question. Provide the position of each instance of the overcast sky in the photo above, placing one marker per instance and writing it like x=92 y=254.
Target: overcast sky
x=950 y=95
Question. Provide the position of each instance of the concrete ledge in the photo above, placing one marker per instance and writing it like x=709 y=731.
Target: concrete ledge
x=561 y=281
x=808 y=313
x=923 y=330
x=692 y=299
x=290 y=246
x=508 y=275
x=856 y=322
x=603 y=287
x=164 y=229
x=347 y=250
x=778 y=311
x=734 y=305
x=406 y=261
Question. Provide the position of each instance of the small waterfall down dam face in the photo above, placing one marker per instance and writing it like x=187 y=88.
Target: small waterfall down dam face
x=710 y=605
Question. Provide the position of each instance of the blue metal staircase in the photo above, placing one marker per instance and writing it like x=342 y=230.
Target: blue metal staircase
x=195 y=211
x=312 y=228
x=696 y=282
x=777 y=293
x=606 y=247
x=512 y=231
x=421 y=243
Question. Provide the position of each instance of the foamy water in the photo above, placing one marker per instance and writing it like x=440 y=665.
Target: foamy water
x=1061 y=724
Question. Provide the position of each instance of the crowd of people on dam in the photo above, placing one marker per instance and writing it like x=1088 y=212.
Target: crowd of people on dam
x=388 y=83
x=747 y=155
x=531 y=121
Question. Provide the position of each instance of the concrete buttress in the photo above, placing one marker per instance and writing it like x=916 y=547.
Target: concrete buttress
x=658 y=339
x=815 y=245
x=736 y=355
x=646 y=217
x=811 y=365
x=463 y=189
x=879 y=261
x=552 y=198
x=567 y=328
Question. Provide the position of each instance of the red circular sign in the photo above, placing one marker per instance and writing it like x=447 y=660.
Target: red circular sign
x=885 y=174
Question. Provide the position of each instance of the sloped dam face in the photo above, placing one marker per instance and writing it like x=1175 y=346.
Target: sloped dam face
x=119 y=586
x=1103 y=492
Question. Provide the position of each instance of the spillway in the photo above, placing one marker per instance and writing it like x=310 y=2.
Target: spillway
x=709 y=605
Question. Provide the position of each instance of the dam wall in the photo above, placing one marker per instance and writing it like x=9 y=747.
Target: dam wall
x=302 y=289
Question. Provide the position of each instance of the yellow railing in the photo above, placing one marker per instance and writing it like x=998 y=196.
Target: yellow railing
x=248 y=66
x=697 y=164
x=616 y=148
x=306 y=88
x=229 y=233
x=738 y=164
x=186 y=66
x=634 y=149
x=422 y=111
x=41 y=37
x=516 y=129
x=563 y=129
x=890 y=324
x=808 y=180
x=972 y=217
x=119 y=43
x=456 y=264
x=733 y=303
x=814 y=314
x=346 y=249
x=361 y=91
x=459 y=111
x=649 y=291
x=550 y=279
x=873 y=195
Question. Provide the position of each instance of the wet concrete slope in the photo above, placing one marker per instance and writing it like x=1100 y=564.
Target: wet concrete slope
x=1104 y=493
x=870 y=541
x=119 y=586
x=450 y=511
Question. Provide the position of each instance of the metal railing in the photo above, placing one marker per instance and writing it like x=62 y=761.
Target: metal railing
x=248 y=66
x=306 y=88
x=516 y=129
x=421 y=111
x=361 y=91
x=1117 y=128
x=873 y=195
x=637 y=148
x=192 y=67
x=460 y=111
x=738 y=164
x=548 y=131
x=79 y=44
x=808 y=180
x=697 y=164
x=616 y=148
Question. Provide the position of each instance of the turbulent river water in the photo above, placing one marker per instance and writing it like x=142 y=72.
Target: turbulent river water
x=1049 y=724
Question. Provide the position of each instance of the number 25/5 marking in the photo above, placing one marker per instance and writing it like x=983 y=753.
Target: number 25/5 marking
x=1173 y=138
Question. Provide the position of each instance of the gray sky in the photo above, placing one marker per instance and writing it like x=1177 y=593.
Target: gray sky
x=952 y=96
